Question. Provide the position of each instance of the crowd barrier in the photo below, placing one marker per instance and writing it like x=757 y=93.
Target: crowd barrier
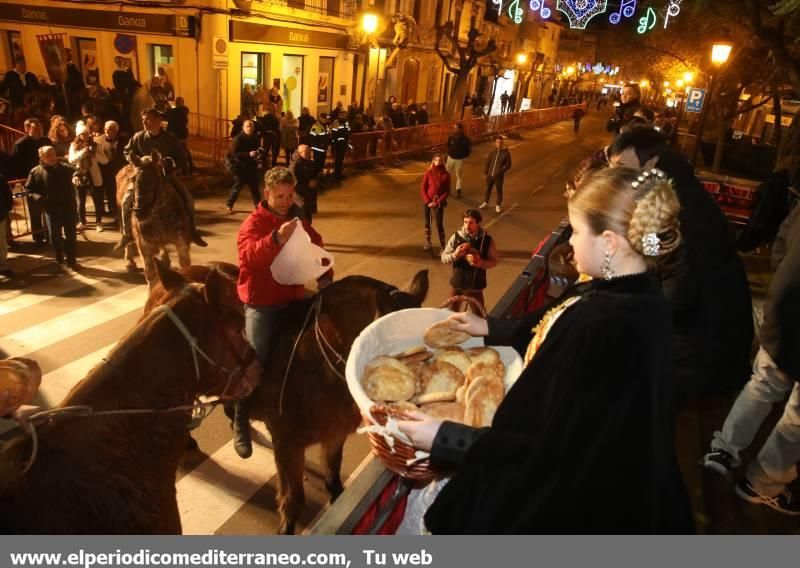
x=19 y=224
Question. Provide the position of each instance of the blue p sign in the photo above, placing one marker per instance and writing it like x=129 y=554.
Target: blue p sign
x=694 y=102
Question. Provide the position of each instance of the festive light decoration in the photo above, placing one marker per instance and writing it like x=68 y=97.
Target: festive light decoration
x=499 y=4
x=626 y=8
x=673 y=9
x=515 y=12
x=539 y=6
x=579 y=12
x=598 y=68
x=647 y=22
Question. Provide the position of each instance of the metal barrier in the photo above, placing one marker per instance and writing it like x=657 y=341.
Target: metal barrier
x=345 y=514
x=19 y=224
x=735 y=196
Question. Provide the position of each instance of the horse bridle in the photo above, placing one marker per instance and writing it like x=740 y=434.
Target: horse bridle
x=137 y=172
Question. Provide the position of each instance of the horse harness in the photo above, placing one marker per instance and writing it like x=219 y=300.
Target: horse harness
x=199 y=407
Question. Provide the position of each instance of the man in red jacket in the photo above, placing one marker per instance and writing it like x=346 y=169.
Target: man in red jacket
x=261 y=238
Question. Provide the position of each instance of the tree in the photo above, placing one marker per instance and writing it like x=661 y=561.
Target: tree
x=460 y=59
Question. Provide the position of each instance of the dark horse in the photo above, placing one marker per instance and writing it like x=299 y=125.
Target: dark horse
x=115 y=473
x=159 y=215
x=315 y=406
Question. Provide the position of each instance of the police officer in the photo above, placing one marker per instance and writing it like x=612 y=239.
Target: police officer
x=320 y=138
x=340 y=134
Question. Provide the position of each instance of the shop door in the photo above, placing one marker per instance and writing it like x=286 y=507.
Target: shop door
x=325 y=84
x=162 y=65
x=410 y=80
x=86 y=51
x=292 y=88
x=252 y=87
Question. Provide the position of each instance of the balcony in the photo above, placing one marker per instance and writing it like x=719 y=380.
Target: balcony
x=335 y=8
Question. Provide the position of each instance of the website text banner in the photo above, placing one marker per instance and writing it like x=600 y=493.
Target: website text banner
x=394 y=552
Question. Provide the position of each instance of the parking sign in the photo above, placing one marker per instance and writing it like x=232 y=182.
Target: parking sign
x=694 y=102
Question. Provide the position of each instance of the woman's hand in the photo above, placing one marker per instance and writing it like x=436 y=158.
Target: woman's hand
x=421 y=429
x=472 y=324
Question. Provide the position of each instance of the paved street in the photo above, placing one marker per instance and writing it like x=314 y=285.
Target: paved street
x=372 y=224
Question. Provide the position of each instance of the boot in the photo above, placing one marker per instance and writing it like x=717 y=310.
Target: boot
x=241 y=431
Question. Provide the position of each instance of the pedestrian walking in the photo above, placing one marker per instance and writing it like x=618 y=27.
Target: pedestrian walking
x=776 y=372
x=243 y=159
x=577 y=116
x=50 y=185
x=497 y=164
x=504 y=102
x=320 y=138
x=471 y=251
x=459 y=147
x=435 y=190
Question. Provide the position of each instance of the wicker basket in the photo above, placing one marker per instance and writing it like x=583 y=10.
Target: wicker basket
x=391 y=333
x=455 y=300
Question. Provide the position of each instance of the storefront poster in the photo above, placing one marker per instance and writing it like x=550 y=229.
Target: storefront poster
x=91 y=74
x=125 y=54
x=15 y=45
x=54 y=56
x=322 y=96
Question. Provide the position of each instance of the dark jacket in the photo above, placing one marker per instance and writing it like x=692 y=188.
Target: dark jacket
x=306 y=121
x=622 y=115
x=706 y=283
x=304 y=171
x=465 y=276
x=52 y=187
x=25 y=155
x=6 y=201
x=780 y=332
x=115 y=153
x=143 y=143
x=597 y=393
x=459 y=146
x=422 y=117
x=178 y=122
x=241 y=146
x=435 y=185
x=16 y=90
x=498 y=163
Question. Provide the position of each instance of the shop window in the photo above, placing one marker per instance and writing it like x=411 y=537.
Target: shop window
x=14 y=47
x=292 y=84
x=162 y=65
x=252 y=78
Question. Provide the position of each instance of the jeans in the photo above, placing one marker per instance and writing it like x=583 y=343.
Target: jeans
x=497 y=183
x=455 y=167
x=249 y=179
x=774 y=467
x=63 y=221
x=97 y=199
x=39 y=231
x=259 y=328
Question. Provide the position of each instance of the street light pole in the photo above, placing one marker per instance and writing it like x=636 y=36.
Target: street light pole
x=720 y=52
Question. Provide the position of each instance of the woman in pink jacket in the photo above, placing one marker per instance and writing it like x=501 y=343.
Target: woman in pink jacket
x=434 y=191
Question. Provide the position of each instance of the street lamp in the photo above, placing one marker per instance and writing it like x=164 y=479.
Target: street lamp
x=679 y=82
x=369 y=23
x=688 y=77
x=666 y=84
x=521 y=58
x=720 y=52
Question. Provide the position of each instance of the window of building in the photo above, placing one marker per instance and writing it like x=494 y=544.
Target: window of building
x=162 y=65
x=252 y=77
x=14 y=47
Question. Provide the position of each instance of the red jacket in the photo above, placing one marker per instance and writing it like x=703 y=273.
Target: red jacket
x=435 y=184
x=258 y=247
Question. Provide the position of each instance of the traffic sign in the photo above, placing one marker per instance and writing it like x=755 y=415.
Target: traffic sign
x=694 y=102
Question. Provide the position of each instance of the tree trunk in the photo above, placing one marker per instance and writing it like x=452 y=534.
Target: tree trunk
x=789 y=152
x=722 y=132
x=459 y=91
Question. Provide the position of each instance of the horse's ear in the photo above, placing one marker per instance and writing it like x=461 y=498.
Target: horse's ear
x=220 y=292
x=169 y=279
x=155 y=155
x=419 y=286
x=136 y=161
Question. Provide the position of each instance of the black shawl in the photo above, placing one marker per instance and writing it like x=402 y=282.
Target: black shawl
x=583 y=443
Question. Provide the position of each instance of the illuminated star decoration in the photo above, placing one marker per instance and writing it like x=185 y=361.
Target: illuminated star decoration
x=627 y=9
x=515 y=12
x=579 y=12
x=647 y=22
x=539 y=6
x=673 y=9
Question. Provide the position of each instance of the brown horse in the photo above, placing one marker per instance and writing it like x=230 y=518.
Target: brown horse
x=112 y=473
x=159 y=215
x=316 y=406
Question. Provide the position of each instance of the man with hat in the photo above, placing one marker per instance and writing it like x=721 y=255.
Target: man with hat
x=320 y=139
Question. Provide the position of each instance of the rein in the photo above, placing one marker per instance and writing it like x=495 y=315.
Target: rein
x=199 y=407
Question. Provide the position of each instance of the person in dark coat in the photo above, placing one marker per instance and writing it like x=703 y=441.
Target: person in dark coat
x=459 y=147
x=50 y=185
x=112 y=144
x=630 y=102
x=74 y=85
x=269 y=127
x=422 y=115
x=6 y=203
x=19 y=82
x=245 y=148
x=583 y=442
x=435 y=190
x=497 y=164
x=776 y=372
x=177 y=118
x=306 y=121
x=25 y=157
x=704 y=279
x=305 y=172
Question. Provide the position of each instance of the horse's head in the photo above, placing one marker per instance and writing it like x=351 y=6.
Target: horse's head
x=411 y=298
x=148 y=178
x=233 y=370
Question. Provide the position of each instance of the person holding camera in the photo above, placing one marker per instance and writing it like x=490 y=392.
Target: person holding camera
x=246 y=151
x=86 y=155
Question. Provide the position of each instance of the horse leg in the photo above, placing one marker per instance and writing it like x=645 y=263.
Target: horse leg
x=165 y=256
x=290 y=462
x=332 y=450
x=148 y=254
x=130 y=257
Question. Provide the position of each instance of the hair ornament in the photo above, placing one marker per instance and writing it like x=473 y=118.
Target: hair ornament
x=651 y=244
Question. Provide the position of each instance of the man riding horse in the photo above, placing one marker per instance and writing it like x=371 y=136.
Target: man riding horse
x=153 y=137
x=261 y=237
